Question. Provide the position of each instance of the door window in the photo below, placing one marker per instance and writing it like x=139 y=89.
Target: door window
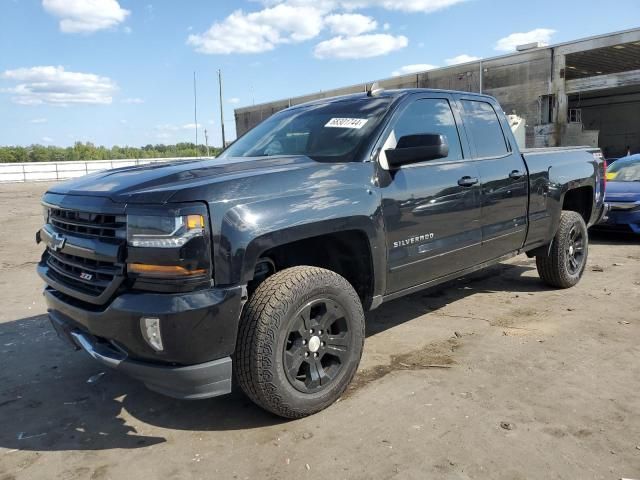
x=482 y=124
x=432 y=115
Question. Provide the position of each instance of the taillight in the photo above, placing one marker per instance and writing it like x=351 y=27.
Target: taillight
x=597 y=156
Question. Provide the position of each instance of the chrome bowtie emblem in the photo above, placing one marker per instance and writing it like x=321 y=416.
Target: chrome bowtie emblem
x=57 y=242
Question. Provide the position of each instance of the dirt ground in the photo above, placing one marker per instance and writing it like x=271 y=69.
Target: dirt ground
x=538 y=384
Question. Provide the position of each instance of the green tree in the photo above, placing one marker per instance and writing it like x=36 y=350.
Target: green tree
x=89 y=151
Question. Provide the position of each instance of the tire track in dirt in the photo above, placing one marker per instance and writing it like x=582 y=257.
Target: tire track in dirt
x=433 y=355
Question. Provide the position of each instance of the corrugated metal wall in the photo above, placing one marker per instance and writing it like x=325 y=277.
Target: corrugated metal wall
x=517 y=81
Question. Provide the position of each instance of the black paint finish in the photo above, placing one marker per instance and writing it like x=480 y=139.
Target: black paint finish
x=425 y=223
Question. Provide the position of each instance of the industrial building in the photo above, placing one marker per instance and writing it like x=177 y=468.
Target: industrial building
x=584 y=92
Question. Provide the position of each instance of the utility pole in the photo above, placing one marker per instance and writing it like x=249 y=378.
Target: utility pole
x=206 y=141
x=221 y=107
x=195 y=108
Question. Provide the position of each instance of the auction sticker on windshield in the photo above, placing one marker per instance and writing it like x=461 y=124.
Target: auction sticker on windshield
x=356 y=123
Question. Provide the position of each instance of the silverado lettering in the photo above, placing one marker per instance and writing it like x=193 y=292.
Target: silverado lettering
x=412 y=240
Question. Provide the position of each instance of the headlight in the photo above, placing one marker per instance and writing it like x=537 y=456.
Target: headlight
x=163 y=232
x=169 y=248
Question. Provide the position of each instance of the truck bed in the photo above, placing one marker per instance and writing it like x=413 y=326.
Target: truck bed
x=534 y=151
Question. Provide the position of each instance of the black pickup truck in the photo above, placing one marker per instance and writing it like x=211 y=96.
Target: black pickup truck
x=258 y=265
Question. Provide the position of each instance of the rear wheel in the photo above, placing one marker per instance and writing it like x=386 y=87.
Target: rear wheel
x=567 y=259
x=300 y=341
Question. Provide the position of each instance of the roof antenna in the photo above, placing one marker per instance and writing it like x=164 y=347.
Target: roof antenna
x=374 y=90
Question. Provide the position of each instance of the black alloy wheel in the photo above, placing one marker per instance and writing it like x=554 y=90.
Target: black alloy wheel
x=562 y=264
x=300 y=341
x=317 y=346
x=575 y=250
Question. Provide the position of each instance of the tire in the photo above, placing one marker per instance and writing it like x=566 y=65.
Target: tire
x=302 y=315
x=567 y=259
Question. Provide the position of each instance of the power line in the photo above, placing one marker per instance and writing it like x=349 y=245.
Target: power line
x=221 y=107
x=195 y=108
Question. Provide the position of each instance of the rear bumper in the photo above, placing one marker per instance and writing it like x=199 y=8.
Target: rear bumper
x=204 y=380
x=600 y=214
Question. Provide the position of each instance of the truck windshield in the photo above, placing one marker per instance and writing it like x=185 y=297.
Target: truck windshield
x=330 y=132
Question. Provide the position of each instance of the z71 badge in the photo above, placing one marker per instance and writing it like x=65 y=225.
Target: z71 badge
x=412 y=240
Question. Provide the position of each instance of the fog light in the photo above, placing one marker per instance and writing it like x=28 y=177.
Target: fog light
x=150 y=327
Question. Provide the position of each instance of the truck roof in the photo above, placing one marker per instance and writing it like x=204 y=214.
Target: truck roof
x=393 y=93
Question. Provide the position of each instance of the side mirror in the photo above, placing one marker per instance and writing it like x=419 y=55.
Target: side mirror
x=417 y=148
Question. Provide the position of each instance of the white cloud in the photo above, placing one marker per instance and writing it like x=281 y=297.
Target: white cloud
x=86 y=16
x=464 y=58
x=510 y=42
x=47 y=139
x=350 y=23
x=56 y=86
x=172 y=132
x=233 y=100
x=424 y=6
x=414 y=68
x=133 y=100
x=39 y=120
x=163 y=136
x=259 y=31
x=168 y=127
x=361 y=46
x=294 y=21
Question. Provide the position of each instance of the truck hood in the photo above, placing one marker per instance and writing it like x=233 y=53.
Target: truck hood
x=622 y=191
x=158 y=182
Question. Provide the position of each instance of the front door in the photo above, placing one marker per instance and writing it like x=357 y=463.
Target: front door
x=431 y=209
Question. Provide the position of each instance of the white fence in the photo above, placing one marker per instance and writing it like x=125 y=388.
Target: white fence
x=53 y=171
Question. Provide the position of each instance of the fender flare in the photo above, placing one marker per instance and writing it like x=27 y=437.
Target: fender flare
x=248 y=230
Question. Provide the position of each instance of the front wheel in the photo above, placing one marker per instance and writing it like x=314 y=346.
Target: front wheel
x=300 y=341
x=567 y=259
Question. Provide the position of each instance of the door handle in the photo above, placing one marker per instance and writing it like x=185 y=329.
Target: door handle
x=467 y=181
x=516 y=174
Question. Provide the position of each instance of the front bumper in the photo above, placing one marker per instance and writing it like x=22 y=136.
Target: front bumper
x=192 y=382
x=622 y=218
x=199 y=331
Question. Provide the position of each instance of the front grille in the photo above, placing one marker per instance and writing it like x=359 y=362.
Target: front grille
x=74 y=268
x=88 y=224
x=83 y=274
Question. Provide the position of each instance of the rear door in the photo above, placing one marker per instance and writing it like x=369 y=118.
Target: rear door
x=503 y=173
x=431 y=209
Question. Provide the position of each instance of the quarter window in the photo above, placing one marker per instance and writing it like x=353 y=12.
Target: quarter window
x=482 y=124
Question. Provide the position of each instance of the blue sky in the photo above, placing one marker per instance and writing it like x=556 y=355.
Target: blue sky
x=120 y=71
